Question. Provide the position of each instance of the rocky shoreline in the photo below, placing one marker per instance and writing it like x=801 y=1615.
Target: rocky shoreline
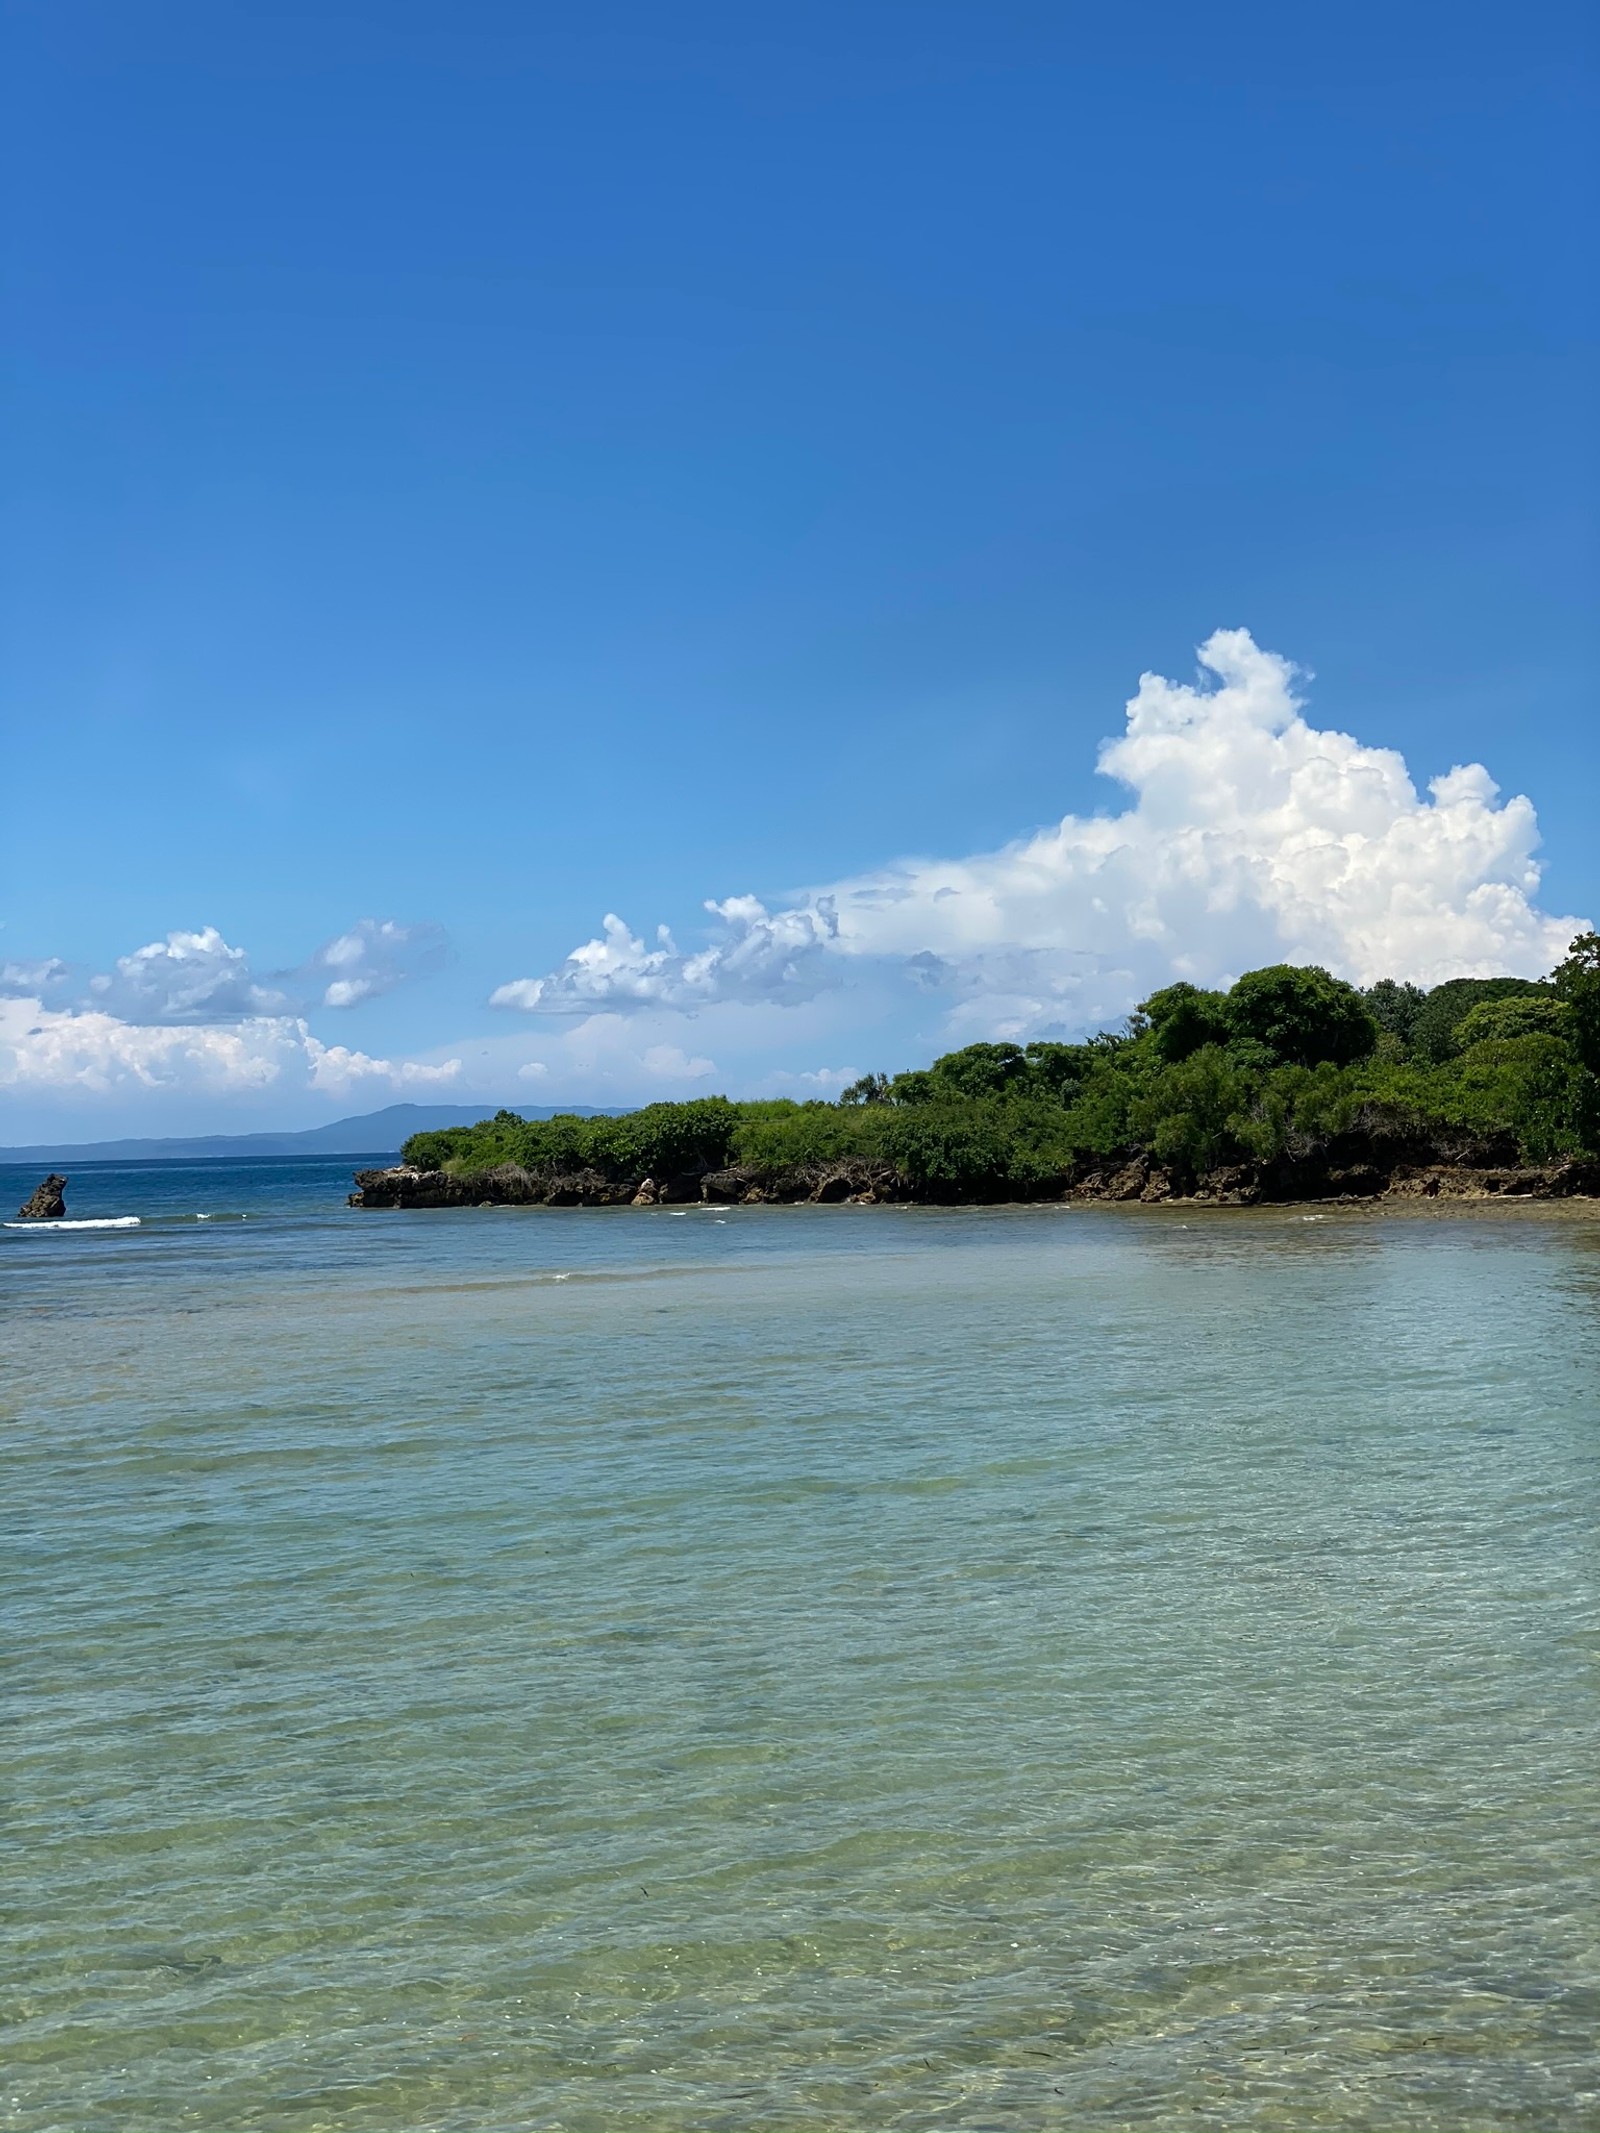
x=1354 y=1167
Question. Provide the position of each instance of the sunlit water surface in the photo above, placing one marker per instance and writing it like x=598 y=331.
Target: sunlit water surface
x=796 y=1668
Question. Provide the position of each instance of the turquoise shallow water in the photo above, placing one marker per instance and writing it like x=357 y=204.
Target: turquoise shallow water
x=796 y=1668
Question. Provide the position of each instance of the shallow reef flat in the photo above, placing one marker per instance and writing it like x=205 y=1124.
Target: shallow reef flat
x=1077 y=1665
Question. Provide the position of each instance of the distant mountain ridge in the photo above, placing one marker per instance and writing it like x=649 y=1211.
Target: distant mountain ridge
x=372 y=1133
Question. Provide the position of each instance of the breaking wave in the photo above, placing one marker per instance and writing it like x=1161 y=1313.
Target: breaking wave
x=88 y=1222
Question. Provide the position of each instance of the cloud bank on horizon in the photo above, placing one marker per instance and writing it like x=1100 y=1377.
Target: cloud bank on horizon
x=187 y=1013
x=1252 y=837
x=97 y=1053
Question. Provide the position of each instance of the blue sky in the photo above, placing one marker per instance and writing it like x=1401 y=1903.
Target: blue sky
x=474 y=470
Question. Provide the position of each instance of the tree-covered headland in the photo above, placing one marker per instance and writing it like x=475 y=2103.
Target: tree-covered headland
x=1289 y=1084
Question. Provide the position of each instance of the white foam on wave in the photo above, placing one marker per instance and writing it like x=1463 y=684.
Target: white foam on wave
x=88 y=1222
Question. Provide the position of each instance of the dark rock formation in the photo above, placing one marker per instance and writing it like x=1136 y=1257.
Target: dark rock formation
x=1365 y=1164
x=1325 y=1173
x=508 y=1185
x=47 y=1203
x=854 y=1179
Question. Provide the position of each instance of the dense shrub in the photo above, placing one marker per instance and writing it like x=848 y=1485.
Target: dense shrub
x=1535 y=1087
x=779 y=1135
x=1434 y=1029
x=959 y=1147
x=1519 y=1015
x=664 y=1140
x=1196 y=1113
x=1394 y=1007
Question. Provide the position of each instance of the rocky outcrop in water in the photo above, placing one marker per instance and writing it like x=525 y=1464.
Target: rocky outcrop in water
x=47 y=1203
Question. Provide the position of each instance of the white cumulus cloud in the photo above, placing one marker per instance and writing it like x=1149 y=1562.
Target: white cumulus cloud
x=88 y=1051
x=1253 y=837
x=670 y=1062
x=639 y=1057
x=373 y=958
x=198 y=977
x=33 y=980
x=762 y=955
x=48 y=1048
x=336 y=1070
x=188 y=977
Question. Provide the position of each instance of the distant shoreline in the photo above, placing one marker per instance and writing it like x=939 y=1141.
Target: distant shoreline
x=10 y=1160
x=367 y=1135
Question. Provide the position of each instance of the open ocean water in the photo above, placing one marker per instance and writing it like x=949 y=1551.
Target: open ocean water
x=795 y=1668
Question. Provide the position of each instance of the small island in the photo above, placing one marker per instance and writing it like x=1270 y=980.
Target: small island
x=1291 y=1085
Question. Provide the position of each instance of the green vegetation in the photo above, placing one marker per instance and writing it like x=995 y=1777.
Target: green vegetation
x=1288 y=1060
x=662 y=1140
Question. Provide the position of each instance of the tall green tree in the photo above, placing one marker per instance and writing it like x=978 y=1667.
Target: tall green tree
x=869 y=1089
x=1060 y=1070
x=1577 y=984
x=1301 y=1015
x=1435 y=1029
x=1182 y=1019
x=981 y=1070
x=1395 y=1005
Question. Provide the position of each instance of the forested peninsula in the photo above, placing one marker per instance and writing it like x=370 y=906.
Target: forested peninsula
x=1291 y=1085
